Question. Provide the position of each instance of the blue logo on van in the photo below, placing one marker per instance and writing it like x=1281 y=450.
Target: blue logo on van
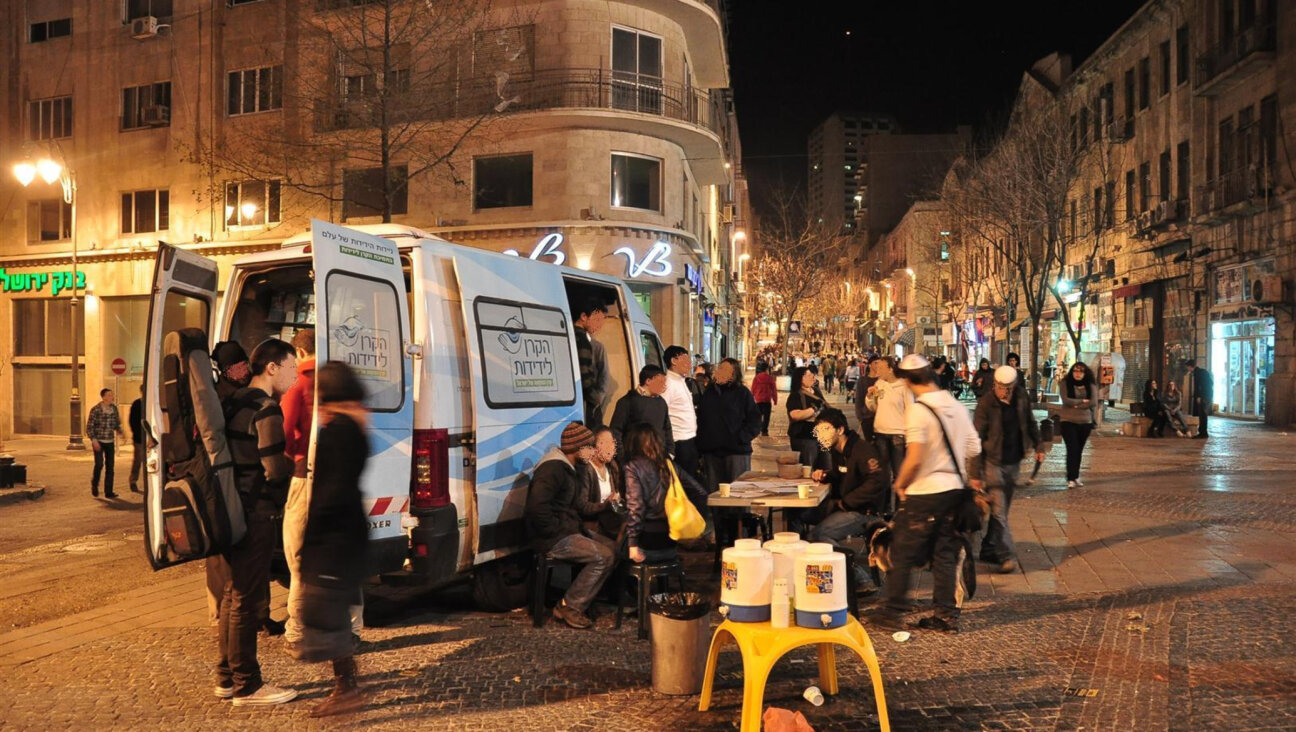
x=348 y=331
x=511 y=340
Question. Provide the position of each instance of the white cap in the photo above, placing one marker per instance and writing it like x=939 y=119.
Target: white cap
x=1005 y=375
x=913 y=362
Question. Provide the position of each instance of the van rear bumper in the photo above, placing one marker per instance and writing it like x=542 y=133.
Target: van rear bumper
x=434 y=544
x=387 y=555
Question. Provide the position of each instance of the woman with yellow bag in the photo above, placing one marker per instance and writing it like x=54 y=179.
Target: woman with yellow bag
x=650 y=479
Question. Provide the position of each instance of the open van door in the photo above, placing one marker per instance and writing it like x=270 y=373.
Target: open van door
x=363 y=320
x=524 y=385
x=184 y=296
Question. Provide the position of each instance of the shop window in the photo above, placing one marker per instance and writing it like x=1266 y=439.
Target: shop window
x=49 y=29
x=143 y=212
x=144 y=8
x=255 y=90
x=636 y=182
x=42 y=327
x=252 y=203
x=363 y=194
x=41 y=397
x=148 y=105
x=49 y=119
x=49 y=220
x=502 y=181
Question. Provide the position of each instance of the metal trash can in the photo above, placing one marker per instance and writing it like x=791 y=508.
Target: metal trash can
x=681 y=630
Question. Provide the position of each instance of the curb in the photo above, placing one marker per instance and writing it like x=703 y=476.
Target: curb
x=18 y=495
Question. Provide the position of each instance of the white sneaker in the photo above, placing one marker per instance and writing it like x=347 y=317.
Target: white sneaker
x=1072 y=484
x=1079 y=483
x=266 y=696
x=223 y=692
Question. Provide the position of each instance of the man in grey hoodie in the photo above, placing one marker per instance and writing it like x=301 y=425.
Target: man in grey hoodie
x=555 y=508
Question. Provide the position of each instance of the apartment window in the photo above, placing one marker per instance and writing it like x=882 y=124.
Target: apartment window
x=49 y=220
x=636 y=182
x=252 y=203
x=1108 y=97
x=1182 y=170
x=1163 y=170
x=1084 y=127
x=636 y=71
x=49 y=119
x=1109 y=204
x=143 y=212
x=49 y=29
x=1145 y=185
x=41 y=327
x=1183 y=50
x=1129 y=94
x=1074 y=219
x=1075 y=133
x=1098 y=210
x=1225 y=21
x=142 y=8
x=1144 y=82
x=1129 y=195
x=363 y=195
x=146 y=106
x=502 y=181
x=255 y=90
x=1268 y=131
x=1164 y=58
x=1226 y=158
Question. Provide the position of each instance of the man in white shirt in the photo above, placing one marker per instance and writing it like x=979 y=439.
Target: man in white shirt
x=930 y=485
x=888 y=400
x=679 y=403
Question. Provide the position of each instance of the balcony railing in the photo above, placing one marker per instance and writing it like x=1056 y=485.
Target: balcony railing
x=1229 y=55
x=602 y=89
x=1238 y=186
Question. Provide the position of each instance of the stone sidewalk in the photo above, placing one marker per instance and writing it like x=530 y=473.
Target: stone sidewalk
x=1158 y=597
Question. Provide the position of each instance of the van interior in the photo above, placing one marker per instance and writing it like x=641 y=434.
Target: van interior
x=612 y=335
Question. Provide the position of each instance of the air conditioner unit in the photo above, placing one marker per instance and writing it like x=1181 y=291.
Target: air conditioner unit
x=156 y=116
x=1267 y=288
x=1144 y=221
x=727 y=213
x=924 y=319
x=145 y=27
x=1118 y=130
x=1161 y=212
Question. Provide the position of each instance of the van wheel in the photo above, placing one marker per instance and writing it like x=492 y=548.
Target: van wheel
x=504 y=584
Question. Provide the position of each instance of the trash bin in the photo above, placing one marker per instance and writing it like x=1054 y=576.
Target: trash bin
x=681 y=629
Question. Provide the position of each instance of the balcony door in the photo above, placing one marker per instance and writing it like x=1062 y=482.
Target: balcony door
x=636 y=71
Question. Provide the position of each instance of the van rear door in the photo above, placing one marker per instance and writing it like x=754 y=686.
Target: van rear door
x=184 y=296
x=525 y=390
x=362 y=320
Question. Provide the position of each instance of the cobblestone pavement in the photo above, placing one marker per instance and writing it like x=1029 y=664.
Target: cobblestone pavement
x=1158 y=597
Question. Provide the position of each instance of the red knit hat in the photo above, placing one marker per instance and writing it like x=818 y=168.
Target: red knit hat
x=575 y=436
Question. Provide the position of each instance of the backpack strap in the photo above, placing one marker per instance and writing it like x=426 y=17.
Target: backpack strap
x=948 y=446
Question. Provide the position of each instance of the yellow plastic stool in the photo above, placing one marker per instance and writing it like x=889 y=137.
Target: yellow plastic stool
x=762 y=646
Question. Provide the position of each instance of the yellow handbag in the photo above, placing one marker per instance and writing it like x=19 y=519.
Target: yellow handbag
x=682 y=516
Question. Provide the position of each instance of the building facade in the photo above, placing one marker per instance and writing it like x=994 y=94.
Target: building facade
x=601 y=135
x=836 y=152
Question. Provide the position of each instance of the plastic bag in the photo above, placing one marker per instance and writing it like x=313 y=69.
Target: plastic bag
x=679 y=605
x=783 y=720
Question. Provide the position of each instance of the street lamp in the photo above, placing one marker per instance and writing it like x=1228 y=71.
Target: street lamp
x=49 y=171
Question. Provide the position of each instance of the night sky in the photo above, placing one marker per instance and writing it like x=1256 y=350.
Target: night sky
x=932 y=64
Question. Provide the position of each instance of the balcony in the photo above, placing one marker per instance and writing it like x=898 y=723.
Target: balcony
x=1237 y=192
x=1228 y=63
x=704 y=33
x=564 y=99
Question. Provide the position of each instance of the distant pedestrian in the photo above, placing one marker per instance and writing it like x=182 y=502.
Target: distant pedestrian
x=804 y=403
x=1201 y=395
x=829 y=369
x=1079 y=394
x=335 y=542
x=1008 y=432
x=102 y=427
x=983 y=378
x=728 y=421
x=868 y=377
x=849 y=378
x=588 y=319
x=136 y=419
x=765 y=392
x=1046 y=371
x=682 y=407
x=1015 y=361
x=644 y=403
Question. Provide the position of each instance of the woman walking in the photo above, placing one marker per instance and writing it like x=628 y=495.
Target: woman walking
x=1078 y=393
x=803 y=406
x=648 y=476
x=983 y=378
x=335 y=541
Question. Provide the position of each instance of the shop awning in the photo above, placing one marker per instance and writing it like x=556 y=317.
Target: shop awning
x=906 y=338
x=1127 y=291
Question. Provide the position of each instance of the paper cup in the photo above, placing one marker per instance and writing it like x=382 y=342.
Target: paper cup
x=724 y=490
x=803 y=491
x=805 y=471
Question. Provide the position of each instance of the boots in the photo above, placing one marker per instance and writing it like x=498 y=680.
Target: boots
x=346 y=697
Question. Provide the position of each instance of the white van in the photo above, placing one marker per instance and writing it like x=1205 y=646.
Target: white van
x=469 y=359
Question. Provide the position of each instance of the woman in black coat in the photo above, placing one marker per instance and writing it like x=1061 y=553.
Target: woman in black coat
x=647 y=479
x=335 y=543
x=1153 y=409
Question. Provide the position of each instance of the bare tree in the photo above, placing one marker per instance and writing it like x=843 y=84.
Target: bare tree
x=374 y=96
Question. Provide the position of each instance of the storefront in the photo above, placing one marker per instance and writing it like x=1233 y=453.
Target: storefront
x=1242 y=330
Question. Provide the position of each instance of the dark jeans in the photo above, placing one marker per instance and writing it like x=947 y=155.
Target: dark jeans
x=1159 y=422
x=1001 y=483
x=1075 y=436
x=104 y=461
x=1201 y=411
x=686 y=457
x=765 y=408
x=137 y=464
x=891 y=451
x=597 y=554
x=723 y=469
x=924 y=531
x=244 y=570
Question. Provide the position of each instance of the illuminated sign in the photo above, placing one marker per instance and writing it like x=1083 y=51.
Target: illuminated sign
x=656 y=263
x=550 y=245
x=694 y=278
x=36 y=281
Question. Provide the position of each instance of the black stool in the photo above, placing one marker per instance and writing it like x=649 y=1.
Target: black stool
x=544 y=567
x=646 y=573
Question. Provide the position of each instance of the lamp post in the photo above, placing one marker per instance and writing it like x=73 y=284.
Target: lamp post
x=50 y=170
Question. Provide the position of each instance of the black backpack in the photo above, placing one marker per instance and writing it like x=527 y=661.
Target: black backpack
x=202 y=513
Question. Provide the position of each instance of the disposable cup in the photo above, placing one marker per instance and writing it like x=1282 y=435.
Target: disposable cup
x=724 y=490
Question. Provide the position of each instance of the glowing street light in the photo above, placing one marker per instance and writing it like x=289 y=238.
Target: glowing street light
x=25 y=172
x=49 y=170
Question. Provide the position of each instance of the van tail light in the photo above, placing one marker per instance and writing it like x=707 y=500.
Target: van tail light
x=430 y=477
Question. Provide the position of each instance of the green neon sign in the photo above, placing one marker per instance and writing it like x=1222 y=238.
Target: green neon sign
x=36 y=281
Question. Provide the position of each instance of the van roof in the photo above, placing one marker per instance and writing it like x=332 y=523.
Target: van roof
x=386 y=231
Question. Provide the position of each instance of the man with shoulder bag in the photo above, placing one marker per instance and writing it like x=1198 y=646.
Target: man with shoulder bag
x=936 y=506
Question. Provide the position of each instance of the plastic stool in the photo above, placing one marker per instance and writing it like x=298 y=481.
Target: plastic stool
x=540 y=586
x=646 y=573
x=762 y=646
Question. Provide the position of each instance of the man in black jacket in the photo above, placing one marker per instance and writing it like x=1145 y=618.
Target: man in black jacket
x=644 y=403
x=588 y=318
x=136 y=420
x=1007 y=428
x=555 y=508
x=860 y=485
x=1201 y=395
x=728 y=421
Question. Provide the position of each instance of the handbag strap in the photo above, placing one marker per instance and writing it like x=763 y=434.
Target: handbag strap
x=948 y=445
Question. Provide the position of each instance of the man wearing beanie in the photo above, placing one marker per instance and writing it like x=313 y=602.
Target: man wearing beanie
x=555 y=507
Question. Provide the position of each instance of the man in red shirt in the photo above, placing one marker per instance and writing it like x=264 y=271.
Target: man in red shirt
x=765 y=394
x=298 y=410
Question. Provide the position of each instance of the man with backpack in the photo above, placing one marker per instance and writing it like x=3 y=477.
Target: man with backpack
x=255 y=431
